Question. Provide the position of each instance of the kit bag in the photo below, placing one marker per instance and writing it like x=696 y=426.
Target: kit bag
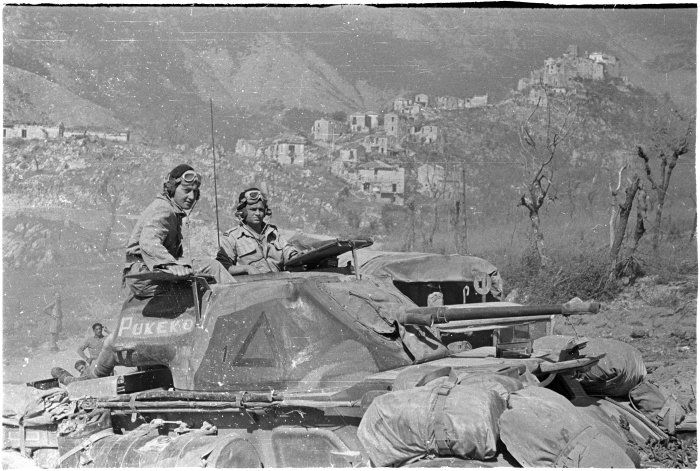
x=442 y=418
x=541 y=428
x=657 y=404
x=621 y=369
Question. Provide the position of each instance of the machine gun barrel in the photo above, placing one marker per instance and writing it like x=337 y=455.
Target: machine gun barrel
x=462 y=312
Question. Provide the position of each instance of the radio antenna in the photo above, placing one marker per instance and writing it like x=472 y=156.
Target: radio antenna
x=213 y=155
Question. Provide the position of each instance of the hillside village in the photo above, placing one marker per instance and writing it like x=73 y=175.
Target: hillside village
x=370 y=150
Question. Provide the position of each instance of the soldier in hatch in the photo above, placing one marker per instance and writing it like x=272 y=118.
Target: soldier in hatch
x=156 y=241
x=253 y=246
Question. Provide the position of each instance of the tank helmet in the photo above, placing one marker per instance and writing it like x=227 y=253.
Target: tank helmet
x=252 y=196
x=181 y=173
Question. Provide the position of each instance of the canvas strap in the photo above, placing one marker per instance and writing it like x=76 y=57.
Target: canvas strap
x=443 y=440
x=84 y=444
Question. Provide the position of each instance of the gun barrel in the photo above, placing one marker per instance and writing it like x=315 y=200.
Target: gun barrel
x=463 y=312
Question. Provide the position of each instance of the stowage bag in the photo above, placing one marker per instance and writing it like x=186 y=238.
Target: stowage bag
x=442 y=418
x=621 y=369
x=541 y=428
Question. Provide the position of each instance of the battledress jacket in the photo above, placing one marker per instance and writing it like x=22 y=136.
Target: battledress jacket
x=267 y=252
x=157 y=237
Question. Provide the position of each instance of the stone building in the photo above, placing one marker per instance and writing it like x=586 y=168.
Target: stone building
x=425 y=134
x=247 y=147
x=357 y=122
x=31 y=131
x=391 y=124
x=375 y=143
x=384 y=181
x=371 y=120
x=321 y=130
x=287 y=150
x=421 y=99
x=101 y=133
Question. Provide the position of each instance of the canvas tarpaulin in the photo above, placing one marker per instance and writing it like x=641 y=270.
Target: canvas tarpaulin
x=416 y=267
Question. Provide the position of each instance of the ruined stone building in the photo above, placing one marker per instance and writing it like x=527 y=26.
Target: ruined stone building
x=391 y=124
x=247 y=147
x=421 y=99
x=101 y=133
x=562 y=72
x=31 y=131
x=48 y=131
x=376 y=143
x=321 y=130
x=287 y=150
x=424 y=134
x=477 y=101
x=357 y=122
x=401 y=103
x=371 y=120
x=384 y=181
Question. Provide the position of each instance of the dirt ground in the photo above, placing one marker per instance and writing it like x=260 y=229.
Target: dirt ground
x=659 y=320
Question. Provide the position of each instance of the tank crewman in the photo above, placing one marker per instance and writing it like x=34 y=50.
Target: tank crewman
x=93 y=343
x=99 y=368
x=253 y=246
x=156 y=241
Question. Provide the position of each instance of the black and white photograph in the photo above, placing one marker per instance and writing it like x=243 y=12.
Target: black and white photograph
x=349 y=235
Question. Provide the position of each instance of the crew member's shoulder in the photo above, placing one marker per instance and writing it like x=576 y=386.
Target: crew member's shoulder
x=161 y=205
x=235 y=231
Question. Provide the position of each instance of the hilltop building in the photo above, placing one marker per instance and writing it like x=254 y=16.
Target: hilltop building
x=562 y=72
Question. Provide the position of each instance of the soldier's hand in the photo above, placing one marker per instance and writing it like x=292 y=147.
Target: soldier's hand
x=252 y=270
x=179 y=270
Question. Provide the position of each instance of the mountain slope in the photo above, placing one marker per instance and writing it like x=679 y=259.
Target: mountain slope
x=29 y=97
x=155 y=68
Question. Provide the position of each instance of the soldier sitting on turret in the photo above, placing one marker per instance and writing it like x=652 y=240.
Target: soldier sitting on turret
x=253 y=246
x=156 y=241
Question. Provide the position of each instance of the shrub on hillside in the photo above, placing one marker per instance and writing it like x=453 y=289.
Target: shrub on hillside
x=569 y=275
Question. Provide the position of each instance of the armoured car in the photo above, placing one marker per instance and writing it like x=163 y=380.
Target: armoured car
x=278 y=370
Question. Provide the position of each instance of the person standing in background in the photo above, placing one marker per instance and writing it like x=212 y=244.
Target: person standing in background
x=54 y=311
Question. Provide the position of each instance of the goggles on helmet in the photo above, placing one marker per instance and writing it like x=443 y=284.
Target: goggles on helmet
x=190 y=176
x=253 y=196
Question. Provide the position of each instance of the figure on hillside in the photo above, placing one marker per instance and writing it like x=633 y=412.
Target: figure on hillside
x=253 y=246
x=93 y=343
x=54 y=311
x=156 y=241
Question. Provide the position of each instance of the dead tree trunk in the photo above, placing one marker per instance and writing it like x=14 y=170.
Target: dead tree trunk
x=614 y=205
x=673 y=140
x=625 y=210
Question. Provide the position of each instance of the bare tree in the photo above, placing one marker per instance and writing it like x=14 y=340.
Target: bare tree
x=614 y=205
x=671 y=139
x=541 y=135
